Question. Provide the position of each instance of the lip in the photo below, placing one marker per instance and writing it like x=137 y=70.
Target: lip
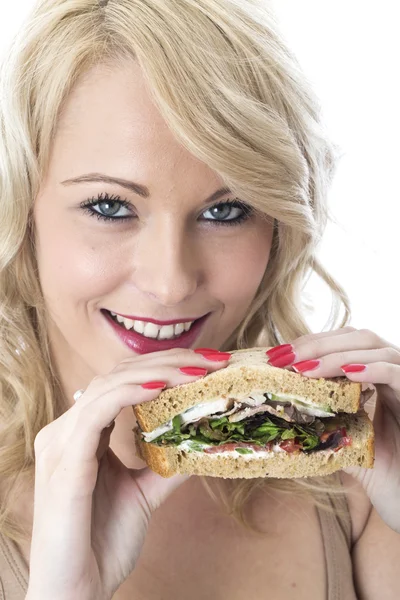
x=142 y=345
x=161 y=323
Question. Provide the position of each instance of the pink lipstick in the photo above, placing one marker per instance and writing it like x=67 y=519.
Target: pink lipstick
x=143 y=345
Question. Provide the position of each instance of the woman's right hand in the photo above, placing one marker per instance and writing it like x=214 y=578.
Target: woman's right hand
x=91 y=513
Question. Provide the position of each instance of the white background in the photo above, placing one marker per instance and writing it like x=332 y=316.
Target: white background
x=350 y=51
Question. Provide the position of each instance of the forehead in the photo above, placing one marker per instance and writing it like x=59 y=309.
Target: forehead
x=112 y=101
x=110 y=119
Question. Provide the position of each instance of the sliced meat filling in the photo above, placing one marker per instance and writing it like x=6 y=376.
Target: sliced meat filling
x=285 y=411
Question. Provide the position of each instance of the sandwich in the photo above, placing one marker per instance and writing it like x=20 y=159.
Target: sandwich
x=251 y=419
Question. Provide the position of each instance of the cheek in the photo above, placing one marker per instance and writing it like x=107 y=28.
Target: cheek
x=72 y=268
x=239 y=269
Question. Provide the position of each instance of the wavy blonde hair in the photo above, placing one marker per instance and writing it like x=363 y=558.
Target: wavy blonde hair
x=236 y=98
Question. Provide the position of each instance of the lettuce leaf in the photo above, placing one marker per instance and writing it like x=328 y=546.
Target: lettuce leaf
x=259 y=430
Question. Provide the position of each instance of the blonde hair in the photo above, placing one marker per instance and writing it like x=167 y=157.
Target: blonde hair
x=235 y=97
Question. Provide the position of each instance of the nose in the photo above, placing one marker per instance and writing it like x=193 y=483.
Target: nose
x=164 y=263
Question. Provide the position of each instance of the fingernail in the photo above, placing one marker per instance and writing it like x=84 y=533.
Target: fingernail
x=154 y=385
x=306 y=365
x=353 y=368
x=193 y=371
x=201 y=350
x=283 y=360
x=279 y=350
x=216 y=356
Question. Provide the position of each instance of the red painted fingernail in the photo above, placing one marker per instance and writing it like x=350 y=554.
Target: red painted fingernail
x=279 y=350
x=306 y=365
x=216 y=356
x=282 y=361
x=202 y=350
x=353 y=368
x=193 y=371
x=154 y=385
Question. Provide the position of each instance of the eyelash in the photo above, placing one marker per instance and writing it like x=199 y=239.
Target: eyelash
x=105 y=197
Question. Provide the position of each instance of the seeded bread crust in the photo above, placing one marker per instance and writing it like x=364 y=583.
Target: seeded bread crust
x=170 y=461
x=248 y=373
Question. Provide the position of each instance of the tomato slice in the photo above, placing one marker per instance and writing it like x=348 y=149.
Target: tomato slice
x=344 y=441
x=222 y=448
x=290 y=446
x=347 y=441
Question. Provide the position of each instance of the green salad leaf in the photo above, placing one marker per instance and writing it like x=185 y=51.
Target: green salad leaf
x=176 y=424
x=259 y=429
x=196 y=446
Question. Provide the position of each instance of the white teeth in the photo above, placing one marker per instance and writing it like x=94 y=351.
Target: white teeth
x=166 y=332
x=138 y=326
x=180 y=328
x=128 y=323
x=153 y=331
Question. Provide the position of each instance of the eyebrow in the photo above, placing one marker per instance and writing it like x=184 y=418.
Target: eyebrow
x=140 y=190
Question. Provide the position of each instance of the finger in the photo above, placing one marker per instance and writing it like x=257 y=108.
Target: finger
x=316 y=348
x=382 y=374
x=62 y=429
x=309 y=337
x=160 y=357
x=156 y=488
x=359 y=473
x=94 y=413
x=82 y=437
x=133 y=373
x=324 y=334
x=331 y=365
x=362 y=339
x=163 y=356
x=379 y=372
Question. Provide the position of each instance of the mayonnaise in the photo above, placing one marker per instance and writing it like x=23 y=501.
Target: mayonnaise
x=186 y=445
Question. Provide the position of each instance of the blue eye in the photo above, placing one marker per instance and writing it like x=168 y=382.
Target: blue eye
x=109 y=204
x=231 y=212
x=106 y=207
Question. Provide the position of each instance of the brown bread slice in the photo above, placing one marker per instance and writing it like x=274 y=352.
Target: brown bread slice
x=248 y=373
x=169 y=461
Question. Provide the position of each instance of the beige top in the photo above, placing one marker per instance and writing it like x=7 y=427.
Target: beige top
x=335 y=531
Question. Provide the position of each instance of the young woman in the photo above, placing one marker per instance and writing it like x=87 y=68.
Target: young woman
x=164 y=161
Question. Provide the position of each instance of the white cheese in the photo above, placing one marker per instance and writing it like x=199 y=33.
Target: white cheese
x=152 y=435
x=203 y=410
x=303 y=405
x=255 y=400
x=316 y=412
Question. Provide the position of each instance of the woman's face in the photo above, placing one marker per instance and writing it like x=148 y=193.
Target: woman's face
x=172 y=259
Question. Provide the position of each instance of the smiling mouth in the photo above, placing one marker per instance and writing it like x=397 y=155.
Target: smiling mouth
x=152 y=330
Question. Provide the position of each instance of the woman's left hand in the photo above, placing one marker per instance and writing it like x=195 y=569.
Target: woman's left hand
x=363 y=357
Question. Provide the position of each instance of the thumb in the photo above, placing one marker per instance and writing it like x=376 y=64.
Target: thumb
x=104 y=441
x=361 y=474
x=156 y=488
x=354 y=471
